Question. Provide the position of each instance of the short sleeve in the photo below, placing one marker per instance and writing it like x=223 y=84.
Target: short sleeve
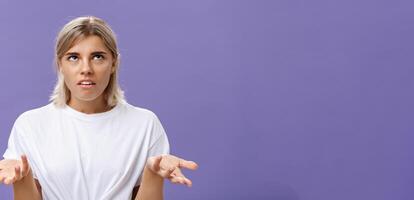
x=159 y=144
x=14 y=146
x=159 y=141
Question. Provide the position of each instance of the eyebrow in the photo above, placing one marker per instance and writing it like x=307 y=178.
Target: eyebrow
x=98 y=52
x=77 y=54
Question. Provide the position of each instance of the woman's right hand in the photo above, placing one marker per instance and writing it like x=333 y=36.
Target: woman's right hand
x=12 y=171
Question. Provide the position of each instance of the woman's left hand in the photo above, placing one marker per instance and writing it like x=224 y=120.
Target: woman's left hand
x=169 y=167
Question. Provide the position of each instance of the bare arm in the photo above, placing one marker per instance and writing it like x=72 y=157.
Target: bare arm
x=156 y=169
x=18 y=173
x=26 y=188
x=151 y=186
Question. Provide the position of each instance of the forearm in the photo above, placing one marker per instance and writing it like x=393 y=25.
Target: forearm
x=26 y=189
x=151 y=186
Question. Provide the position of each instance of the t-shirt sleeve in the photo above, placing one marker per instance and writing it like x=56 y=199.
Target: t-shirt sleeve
x=14 y=146
x=159 y=144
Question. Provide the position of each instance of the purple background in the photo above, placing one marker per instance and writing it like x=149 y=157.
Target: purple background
x=281 y=99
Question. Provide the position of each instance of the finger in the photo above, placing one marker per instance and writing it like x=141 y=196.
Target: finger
x=25 y=165
x=8 y=181
x=4 y=181
x=188 y=164
x=167 y=173
x=179 y=174
x=17 y=174
x=174 y=180
x=177 y=180
x=181 y=180
x=188 y=182
x=157 y=162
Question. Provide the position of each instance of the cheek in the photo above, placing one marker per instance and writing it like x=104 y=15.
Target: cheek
x=104 y=78
x=108 y=77
x=68 y=78
x=69 y=83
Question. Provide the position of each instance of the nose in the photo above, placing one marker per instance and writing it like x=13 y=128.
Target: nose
x=86 y=68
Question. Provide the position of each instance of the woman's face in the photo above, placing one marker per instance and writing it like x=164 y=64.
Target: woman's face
x=86 y=68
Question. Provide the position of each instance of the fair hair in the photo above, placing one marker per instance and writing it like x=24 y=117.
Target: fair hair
x=74 y=30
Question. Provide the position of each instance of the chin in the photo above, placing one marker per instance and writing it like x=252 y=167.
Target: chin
x=87 y=98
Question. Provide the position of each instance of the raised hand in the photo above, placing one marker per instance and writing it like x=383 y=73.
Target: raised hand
x=12 y=171
x=169 y=167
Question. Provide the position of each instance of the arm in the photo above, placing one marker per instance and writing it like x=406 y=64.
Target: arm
x=151 y=186
x=18 y=173
x=158 y=168
x=26 y=188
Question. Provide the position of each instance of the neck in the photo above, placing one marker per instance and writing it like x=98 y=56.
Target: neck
x=89 y=107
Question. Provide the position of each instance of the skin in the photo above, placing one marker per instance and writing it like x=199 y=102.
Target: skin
x=87 y=59
x=90 y=59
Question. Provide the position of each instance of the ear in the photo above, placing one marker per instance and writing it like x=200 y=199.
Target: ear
x=59 y=69
x=113 y=69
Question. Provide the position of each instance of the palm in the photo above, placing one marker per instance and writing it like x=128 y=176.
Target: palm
x=13 y=170
x=169 y=167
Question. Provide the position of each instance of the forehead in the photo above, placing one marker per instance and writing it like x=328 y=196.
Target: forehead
x=86 y=44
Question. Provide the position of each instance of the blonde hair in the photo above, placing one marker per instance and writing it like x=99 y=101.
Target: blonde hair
x=82 y=27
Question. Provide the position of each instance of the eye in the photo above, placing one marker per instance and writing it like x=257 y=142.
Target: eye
x=98 y=57
x=72 y=58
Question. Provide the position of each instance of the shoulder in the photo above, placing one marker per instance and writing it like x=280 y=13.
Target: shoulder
x=36 y=113
x=33 y=118
x=138 y=112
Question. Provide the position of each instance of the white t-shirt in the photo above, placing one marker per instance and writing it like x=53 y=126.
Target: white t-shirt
x=87 y=156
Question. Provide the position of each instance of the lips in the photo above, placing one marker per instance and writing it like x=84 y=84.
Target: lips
x=86 y=83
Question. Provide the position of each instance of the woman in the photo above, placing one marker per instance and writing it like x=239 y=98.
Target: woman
x=89 y=143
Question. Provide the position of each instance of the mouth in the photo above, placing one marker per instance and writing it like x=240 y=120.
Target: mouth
x=86 y=83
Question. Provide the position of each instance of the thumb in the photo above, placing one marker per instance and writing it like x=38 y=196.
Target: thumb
x=25 y=167
x=188 y=164
x=154 y=163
